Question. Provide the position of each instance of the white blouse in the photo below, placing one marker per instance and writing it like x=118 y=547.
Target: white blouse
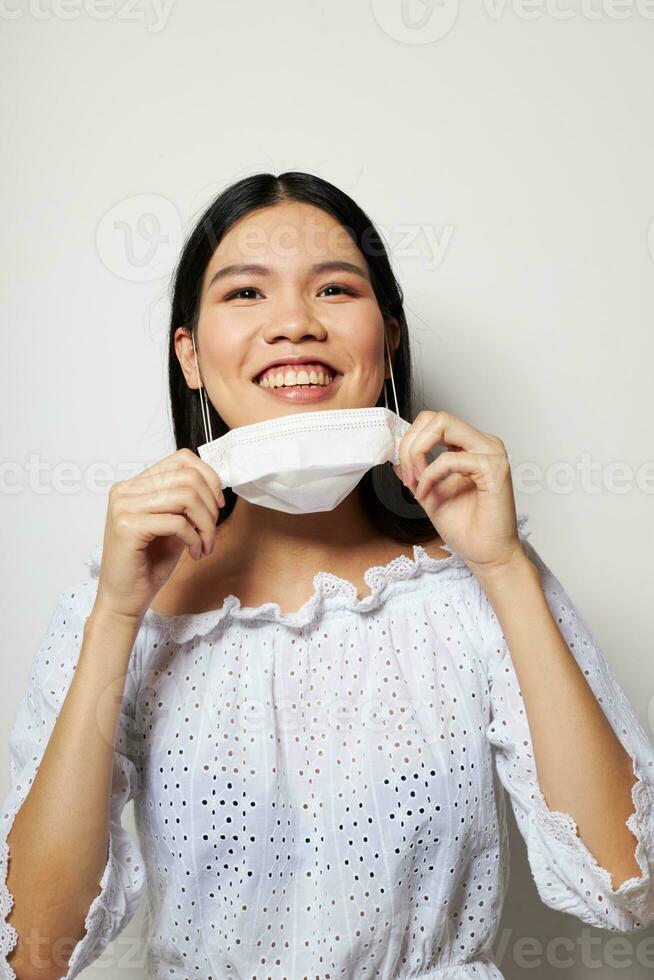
x=319 y=794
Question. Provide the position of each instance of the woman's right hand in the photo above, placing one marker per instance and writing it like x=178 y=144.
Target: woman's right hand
x=151 y=518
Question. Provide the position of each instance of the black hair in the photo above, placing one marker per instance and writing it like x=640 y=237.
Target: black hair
x=390 y=506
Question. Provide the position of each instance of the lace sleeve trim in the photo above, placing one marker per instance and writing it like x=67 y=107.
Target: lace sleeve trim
x=562 y=828
x=94 y=921
x=8 y=935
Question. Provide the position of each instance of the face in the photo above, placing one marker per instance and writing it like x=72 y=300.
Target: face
x=291 y=306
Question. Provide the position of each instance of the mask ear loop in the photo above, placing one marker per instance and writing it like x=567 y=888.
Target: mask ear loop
x=390 y=364
x=204 y=405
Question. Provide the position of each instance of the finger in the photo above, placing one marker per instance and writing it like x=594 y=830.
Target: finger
x=189 y=503
x=173 y=479
x=187 y=459
x=183 y=500
x=404 y=449
x=443 y=428
x=166 y=526
x=486 y=470
x=177 y=526
x=185 y=493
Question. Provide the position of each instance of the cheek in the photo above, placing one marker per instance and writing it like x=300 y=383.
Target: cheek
x=223 y=352
x=222 y=347
x=367 y=351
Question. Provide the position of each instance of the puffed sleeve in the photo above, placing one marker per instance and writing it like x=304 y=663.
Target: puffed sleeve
x=122 y=882
x=566 y=874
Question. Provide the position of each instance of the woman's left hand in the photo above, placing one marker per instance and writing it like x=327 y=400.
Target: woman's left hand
x=466 y=492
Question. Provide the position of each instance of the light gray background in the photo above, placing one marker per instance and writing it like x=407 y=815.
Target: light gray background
x=506 y=155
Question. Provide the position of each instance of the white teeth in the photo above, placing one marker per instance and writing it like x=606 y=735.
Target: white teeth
x=293 y=378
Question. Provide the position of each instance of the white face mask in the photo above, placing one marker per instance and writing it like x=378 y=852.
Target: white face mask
x=304 y=462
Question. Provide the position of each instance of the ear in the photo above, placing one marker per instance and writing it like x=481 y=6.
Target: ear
x=186 y=356
x=392 y=327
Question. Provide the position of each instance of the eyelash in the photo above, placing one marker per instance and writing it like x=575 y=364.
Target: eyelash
x=331 y=285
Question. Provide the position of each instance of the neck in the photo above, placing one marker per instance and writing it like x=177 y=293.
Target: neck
x=282 y=539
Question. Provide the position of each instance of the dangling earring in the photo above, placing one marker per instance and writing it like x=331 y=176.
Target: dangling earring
x=390 y=364
x=204 y=405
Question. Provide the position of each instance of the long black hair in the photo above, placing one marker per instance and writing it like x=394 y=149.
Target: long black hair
x=390 y=506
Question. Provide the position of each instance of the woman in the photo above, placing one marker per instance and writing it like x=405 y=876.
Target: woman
x=308 y=713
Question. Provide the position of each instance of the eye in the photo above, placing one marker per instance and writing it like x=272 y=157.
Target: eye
x=237 y=292
x=345 y=289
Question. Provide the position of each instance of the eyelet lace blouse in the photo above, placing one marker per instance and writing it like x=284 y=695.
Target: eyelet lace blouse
x=320 y=794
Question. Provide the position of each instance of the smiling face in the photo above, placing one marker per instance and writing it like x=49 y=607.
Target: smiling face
x=306 y=295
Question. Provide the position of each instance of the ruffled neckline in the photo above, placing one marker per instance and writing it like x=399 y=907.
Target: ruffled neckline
x=329 y=592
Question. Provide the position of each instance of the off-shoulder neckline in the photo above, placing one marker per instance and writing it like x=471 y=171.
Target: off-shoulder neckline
x=329 y=592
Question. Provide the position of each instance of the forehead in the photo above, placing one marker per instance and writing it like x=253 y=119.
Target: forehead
x=286 y=235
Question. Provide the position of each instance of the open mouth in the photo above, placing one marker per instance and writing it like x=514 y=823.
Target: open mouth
x=303 y=376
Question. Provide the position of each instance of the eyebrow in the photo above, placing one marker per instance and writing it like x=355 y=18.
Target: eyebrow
x=250 y=268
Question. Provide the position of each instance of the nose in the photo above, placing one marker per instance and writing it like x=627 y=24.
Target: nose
x=293 y=322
